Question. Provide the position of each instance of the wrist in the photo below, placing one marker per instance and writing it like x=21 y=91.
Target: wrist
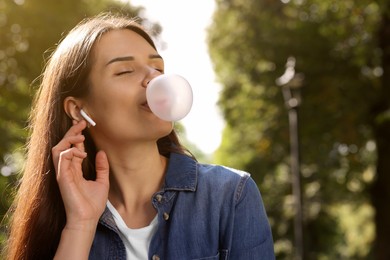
x=76 y=241
x=85 y=226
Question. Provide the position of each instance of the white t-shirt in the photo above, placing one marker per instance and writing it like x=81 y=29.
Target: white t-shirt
x=136 y=241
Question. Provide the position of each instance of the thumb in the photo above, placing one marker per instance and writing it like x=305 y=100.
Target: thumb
x=102 y=168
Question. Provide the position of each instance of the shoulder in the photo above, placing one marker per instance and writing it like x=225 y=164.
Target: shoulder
x=222 y=170
x=211 y=172
x=225 y=179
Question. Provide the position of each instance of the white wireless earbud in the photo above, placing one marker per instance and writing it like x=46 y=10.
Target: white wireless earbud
x=86 y=117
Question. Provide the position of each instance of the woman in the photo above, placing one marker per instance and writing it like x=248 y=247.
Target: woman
x=125 y=188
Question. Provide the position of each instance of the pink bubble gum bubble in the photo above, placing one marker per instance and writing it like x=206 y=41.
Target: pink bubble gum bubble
x=169 y=97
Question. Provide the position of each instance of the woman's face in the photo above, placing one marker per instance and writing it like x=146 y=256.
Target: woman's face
x=123 y=63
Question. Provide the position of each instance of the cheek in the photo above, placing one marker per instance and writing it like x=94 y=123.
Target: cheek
x=105 y=112
x=112 y=102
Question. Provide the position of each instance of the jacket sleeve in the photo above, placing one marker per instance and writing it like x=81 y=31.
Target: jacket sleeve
x=252 y=236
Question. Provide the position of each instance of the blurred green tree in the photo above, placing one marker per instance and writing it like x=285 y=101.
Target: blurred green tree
x=341 y=49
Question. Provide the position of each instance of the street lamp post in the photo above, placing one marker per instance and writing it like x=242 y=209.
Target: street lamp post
x=291 y=83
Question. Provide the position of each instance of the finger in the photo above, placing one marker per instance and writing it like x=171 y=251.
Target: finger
x=68 y=142
x=72 y=137
x=80 y=145
x=76 y=128
x=72 y=153
x=102 y=168
x=68 y=157
x=63 y=145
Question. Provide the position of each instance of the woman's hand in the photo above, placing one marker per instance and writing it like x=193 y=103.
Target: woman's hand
x=84 y=200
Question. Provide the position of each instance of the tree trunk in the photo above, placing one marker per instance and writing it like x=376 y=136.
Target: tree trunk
x=381 y=187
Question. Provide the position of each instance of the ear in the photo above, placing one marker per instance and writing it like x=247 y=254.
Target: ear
x=72 y=108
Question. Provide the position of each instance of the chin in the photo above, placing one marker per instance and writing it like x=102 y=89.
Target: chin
x=164 y=128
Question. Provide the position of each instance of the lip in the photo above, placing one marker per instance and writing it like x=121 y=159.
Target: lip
x=145 y=106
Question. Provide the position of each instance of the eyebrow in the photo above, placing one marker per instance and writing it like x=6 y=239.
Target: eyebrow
x=131 y=58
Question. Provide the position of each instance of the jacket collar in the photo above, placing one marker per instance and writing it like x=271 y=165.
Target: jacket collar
x=182 y=173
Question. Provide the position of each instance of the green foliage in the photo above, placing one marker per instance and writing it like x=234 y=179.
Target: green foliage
x=336 y=49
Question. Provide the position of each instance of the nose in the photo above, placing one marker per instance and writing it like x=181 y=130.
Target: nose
x=145 y=83
x=149 y=76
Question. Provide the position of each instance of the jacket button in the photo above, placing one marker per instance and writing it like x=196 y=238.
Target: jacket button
x=155 y=257
x=166 y=216
x=159 y=197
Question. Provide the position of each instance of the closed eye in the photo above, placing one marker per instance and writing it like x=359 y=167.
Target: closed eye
x=123 y=72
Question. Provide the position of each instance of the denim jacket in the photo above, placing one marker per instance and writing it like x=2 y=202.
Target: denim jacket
x=204 y=212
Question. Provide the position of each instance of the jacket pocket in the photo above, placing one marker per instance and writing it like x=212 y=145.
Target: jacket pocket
x=222 y=255
x=216 y=257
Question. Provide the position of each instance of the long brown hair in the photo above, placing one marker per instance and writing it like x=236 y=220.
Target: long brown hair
x=38 y=214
